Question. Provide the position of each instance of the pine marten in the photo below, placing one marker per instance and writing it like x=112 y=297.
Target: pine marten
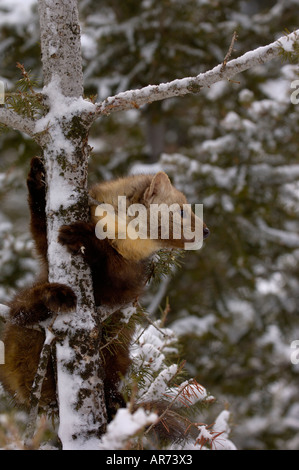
x=119 y=269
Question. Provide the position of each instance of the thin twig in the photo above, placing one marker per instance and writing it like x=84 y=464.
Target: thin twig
x=151 y=322
x=230 y=50
x=179 y=370
x=165 y=312
x=36 y=389
x=114 y=338
x=166 y=409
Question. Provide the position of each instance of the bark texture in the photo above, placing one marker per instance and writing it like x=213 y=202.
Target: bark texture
x=60 y=43
x=63 y=135
x=79 y=375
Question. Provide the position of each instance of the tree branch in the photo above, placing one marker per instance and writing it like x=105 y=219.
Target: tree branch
x=10 y=118
x=230 y=51
x=37 y=388
x=136 y=98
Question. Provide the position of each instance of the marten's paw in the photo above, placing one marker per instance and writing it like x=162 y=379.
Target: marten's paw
x=75 y=236
x=36 y=176
x=59 y=298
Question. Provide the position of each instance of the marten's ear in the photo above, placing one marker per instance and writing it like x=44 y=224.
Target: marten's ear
x=159 y=188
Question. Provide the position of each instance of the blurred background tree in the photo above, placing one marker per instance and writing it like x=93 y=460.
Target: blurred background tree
x=233 y=147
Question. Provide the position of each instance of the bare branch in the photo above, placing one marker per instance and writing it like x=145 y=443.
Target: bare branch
x=136 y=98
x=11 y=119
x=230 y=50
x=176 y=397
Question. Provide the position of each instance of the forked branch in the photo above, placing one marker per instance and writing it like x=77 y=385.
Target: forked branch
x=136 y=98
x=11 y=119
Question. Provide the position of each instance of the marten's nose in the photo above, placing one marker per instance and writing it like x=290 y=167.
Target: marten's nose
x=206 y=232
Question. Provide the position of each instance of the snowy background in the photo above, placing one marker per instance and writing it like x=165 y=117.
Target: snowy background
x=234 y=147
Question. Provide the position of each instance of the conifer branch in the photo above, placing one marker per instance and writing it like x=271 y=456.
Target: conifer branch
x=135 y=98
x=22 y=107
x=181 y=391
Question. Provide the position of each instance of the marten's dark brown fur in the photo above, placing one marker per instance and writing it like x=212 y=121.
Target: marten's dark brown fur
x=119 y=272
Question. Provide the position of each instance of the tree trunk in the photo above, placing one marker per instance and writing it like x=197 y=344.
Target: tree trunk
x=63 y=136
x=79 y=375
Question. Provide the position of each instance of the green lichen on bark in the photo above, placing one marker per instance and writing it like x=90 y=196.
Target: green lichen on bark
x=194 y=88
x=76 y=129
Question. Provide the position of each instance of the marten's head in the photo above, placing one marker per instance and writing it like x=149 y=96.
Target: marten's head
x=141 y=214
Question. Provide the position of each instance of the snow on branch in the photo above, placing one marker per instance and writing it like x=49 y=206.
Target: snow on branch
x=36 y=390
x=135 y=98
x=124 y=426
x=10 y=118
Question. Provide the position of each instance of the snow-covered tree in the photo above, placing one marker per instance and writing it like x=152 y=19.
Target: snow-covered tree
x=227 y=156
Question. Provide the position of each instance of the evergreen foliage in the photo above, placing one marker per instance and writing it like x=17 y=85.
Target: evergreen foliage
x=25 y=100
x=234 y=148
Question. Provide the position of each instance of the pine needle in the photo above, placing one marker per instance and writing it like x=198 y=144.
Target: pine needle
x=24 y=100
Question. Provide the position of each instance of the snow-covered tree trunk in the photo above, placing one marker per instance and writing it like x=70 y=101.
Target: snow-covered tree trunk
x=63 y=136
x=80 y=383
